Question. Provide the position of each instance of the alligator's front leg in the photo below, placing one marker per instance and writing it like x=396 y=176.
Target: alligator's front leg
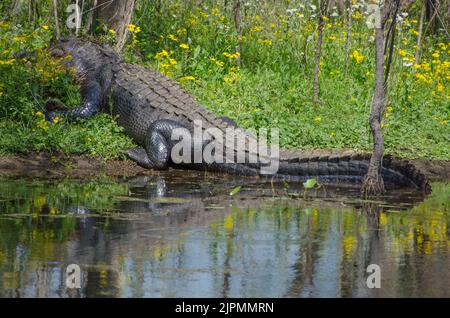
x=158 y=145
x=91 y=95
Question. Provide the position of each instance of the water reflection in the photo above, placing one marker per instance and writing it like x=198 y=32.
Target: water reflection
x=183 y=235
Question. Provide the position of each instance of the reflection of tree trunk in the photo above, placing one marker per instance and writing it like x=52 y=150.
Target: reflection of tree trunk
x=304 y=266
x=116 y=14
x=373 y=229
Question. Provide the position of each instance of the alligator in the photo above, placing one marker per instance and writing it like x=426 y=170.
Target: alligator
x=151 y=107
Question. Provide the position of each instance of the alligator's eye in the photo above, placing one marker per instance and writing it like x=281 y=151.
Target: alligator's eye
x=57 y=52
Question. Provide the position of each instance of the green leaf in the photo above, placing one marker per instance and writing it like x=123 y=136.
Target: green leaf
x=310 y=183
x=235 y=190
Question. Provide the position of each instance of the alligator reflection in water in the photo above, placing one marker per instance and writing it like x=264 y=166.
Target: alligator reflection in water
x=183 y=235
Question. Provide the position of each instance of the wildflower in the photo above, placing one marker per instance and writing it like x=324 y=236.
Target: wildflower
x=7 y=62
x=161 y=55
x=215 y=12
x=181 y=31
x=332 y=37
x=267 y=42
x=173 y=62
x=357 y=56
x=45 y=27
x=231 y=56
x=184 y=46
x=318 y=119
x=401 y=52
x=56 y=120
x=357 y=15
x=186 y=78
x=172 y=38
x=133 y=28
x=217 y=62
x=112 y=32
x=436 y=55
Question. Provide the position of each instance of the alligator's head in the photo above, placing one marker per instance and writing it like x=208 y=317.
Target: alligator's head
x=71 y=52
x=82 y=55
x=66 y=47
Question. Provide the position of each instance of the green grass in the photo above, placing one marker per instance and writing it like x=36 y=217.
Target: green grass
x=273 y=88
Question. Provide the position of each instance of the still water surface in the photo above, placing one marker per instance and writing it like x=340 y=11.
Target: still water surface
x=182 y=234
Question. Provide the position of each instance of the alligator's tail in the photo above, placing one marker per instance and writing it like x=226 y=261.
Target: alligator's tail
x=352 y=168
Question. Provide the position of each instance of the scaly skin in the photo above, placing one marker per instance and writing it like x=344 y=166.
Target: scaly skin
x=150 y=106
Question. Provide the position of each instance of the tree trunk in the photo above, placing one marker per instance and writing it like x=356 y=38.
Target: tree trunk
x=55 y=14
x=419 y=36
x=90 y=19
x=349 y=34
x=116 y=14
x=373 y=183
x=237 y=23
x=323 y=4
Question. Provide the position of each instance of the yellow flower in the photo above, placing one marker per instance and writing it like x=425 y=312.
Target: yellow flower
x=401 y=52
x=215 y=12
x=161 y=55
x=173 y=62
x=45 y=27
x=186 y=78
x=56 y=120
x=181 y=31
x=436 y=55
x=133 y=28
x=7 y=62
x=332 y=37
x=231 y=56
x=112 y=32
x=357 y=56
x=318 y=119
x=184 y=46
x=357 y=15
x=217 y=62
x=172 y=37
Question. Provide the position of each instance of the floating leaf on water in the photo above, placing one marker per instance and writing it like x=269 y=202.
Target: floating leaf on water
x=310 y=183
x=156 y=200
x=170 y=200
x=235 y=190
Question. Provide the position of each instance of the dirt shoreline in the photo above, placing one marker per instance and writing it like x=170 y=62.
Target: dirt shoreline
x=44 y=165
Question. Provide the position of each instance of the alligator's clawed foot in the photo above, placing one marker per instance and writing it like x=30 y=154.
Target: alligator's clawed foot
x=139 y=155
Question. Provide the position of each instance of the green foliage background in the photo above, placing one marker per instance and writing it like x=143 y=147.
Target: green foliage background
x=273 y=88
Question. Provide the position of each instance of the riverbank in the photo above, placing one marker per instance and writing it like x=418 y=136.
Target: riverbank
x=79 y=166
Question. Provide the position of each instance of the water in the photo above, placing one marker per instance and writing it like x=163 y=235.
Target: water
x=180 y=234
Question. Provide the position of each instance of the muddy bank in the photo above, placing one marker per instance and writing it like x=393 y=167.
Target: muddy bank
x=79 y=166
